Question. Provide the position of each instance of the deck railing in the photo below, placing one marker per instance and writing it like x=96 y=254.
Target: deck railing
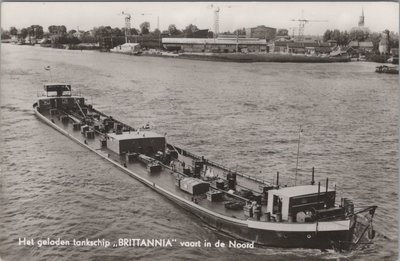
x=217 y=165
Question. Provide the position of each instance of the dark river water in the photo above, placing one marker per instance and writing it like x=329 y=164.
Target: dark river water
x=246 y=116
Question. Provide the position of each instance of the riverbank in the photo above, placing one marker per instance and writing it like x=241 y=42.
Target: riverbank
x=249 y=57
x=264 y=57
x=220 y=57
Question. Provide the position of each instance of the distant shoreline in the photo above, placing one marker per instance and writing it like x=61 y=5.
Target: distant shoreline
x=233 y=57
x=261 y=57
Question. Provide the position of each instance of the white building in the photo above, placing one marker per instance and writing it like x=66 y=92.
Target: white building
x=128 y=48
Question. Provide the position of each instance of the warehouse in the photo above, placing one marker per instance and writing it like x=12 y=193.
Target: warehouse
x=218 y=45
x=261 y=32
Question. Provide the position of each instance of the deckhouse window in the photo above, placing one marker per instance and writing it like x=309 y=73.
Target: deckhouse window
x=46 y=102
x=64 y=101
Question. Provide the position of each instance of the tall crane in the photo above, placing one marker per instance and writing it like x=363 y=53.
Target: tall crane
x=127 y=25
x=216 y=20
x=302 y=23
x=128 y=17
x=217 y=9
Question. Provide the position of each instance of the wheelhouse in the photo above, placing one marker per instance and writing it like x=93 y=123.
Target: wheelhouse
x=57 y=96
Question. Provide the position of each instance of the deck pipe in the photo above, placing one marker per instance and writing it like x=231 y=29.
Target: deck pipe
x=327 y=180
x=277 y=178
x=312 y=177
x=326 y=193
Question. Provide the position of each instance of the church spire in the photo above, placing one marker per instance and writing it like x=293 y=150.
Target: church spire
x=361 y=21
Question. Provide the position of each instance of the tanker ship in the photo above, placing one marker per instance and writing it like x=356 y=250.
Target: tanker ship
x=235 y=204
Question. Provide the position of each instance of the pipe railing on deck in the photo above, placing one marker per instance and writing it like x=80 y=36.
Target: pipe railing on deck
x=182 y=174
x=217 y=165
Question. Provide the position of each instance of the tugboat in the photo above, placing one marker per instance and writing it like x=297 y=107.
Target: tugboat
x=236 y=204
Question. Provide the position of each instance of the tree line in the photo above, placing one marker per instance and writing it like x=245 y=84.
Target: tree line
x=60 y=34
x=343 y=38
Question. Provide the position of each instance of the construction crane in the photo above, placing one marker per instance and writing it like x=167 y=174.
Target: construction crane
x=128 y=17
x=302 y=23
x=293 y=30
x=216 y=18
x=127 y=25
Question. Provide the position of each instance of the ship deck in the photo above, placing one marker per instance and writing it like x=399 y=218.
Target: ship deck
x=166 y=177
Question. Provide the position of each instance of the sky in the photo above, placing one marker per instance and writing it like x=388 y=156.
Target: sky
x=233 y=15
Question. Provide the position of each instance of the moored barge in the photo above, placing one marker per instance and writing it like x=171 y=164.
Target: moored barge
x=387 y=69
x=244 y=207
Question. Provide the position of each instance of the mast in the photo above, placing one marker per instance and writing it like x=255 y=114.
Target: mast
x=298 y=150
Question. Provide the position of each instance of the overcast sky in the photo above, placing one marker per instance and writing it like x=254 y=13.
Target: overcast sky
x=233 y=15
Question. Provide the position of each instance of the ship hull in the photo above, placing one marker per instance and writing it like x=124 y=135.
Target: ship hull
x=319 y=235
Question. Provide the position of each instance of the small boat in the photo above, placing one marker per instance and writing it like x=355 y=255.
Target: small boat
x=387 y=69
x=244 y=207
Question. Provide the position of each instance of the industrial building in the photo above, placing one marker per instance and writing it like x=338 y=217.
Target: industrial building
x=313 y=48
x=217 y=45
x=261 y=32
x=362 y=47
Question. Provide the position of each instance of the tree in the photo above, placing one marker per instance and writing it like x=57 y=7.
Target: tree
x=335 y=35
x=281 y=32
x=101 y=32
x=344 y=38
x=71 y=32
x=375 y=38
x=134 y=31
x=145 y=27
x=240 y=31
x=173 y=30
x=393 y=40
x=115 y=32
x=23 y=33
x=157 y=32
x=13 y=30
x=327 y=35
x=359 y=35
x=36 y=30
x=57 y=29
x=5 y=34
x=86 y=37
x=190 y=29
